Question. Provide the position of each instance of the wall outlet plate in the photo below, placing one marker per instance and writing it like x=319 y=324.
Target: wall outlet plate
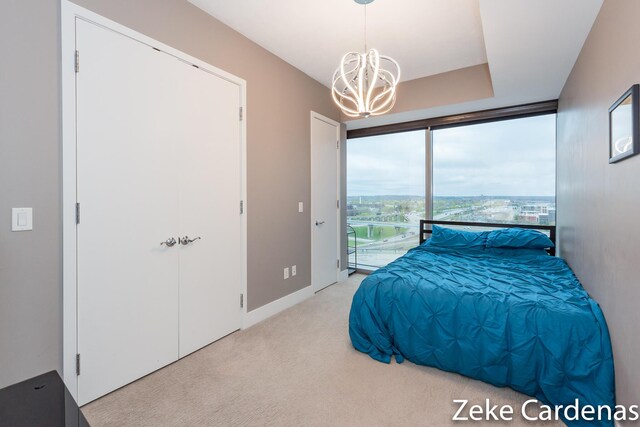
x=286 y=273
x=293 y=270
x=300 y=207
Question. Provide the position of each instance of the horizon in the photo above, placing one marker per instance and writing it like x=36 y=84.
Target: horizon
x=449 y=197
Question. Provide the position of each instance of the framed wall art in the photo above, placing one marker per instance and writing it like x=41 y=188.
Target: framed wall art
x=624 y=135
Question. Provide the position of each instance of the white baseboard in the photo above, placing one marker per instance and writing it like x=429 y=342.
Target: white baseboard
x=344 y=275
x=262 y=313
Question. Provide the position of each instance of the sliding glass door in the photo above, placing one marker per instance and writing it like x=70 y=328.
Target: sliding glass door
x=385 y=195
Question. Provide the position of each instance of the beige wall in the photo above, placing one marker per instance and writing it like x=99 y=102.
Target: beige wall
x=30 y=262
x=450 y=88
x=279 y=98
x=598 y=203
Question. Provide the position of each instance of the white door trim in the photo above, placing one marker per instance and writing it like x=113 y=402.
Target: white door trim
x=327 y=120
x=69 y=13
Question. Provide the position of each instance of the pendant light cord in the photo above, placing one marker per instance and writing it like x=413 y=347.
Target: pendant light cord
x=365 y=28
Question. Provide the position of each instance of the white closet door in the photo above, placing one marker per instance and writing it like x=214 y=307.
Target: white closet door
x=128 y=192
x=210 y=188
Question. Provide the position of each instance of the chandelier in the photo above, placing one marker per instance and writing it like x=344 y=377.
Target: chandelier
x=365 y=83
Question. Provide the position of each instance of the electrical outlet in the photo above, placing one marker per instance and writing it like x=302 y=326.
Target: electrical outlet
x=300 y=207
x=286 y=273
x=293 y=270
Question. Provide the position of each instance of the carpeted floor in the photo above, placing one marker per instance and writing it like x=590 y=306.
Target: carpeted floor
x=296 y=369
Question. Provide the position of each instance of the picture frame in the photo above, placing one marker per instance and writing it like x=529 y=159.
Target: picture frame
x=624 y=127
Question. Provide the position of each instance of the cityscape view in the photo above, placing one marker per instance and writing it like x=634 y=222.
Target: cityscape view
x=495 y=172
x=386 y=227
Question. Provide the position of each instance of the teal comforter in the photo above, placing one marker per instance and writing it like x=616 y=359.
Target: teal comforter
x=509 y=317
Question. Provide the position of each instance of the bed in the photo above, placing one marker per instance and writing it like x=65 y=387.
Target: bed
x=515 y=317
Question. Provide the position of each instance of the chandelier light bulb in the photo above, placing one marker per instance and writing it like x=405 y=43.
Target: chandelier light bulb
x=365 y=84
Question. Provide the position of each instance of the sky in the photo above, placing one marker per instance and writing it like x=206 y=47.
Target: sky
x=504 y=158
x=384 y=165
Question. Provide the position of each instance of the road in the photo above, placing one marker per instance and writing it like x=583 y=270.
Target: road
x=384 y=224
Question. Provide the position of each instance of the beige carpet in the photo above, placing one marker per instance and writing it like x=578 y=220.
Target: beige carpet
x=295 y=369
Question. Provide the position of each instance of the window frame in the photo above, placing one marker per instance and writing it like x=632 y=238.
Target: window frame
x=444 y=122
x=476 y=117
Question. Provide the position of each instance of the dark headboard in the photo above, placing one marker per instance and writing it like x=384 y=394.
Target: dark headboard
x=425 y=228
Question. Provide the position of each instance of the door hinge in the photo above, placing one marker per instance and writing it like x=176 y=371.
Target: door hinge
x=77 y=61
x=241 y=300
x=338 y=145
x=241 y=206
x=338 y=204
x=338 y=263
x=241 y=113
x=78 y=364
x=77 y=213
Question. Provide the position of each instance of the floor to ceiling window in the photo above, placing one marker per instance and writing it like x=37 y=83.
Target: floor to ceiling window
x=385 y=195
x=496 y=172
x=501 y=171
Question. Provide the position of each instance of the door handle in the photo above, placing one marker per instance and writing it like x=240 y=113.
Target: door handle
x=169 y=242
x=185 y=240
x=319 y=223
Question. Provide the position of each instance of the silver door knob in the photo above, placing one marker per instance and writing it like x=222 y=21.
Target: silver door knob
x=169 y=242
x=319 y=223
x=185 y=240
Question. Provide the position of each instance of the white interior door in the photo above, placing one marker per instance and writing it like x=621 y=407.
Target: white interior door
x=210 y=188
x=158 y=157
x=325 y=136
x=127 y=188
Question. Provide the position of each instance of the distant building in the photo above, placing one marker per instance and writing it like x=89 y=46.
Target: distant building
x=529 y=217
x=552 y=216
x=543 y=219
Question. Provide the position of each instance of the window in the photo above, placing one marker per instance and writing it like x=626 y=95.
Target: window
x=498 y=172
x=385 y=194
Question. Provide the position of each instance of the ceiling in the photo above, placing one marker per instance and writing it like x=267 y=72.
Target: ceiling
x=313 y=35
x=529 y=45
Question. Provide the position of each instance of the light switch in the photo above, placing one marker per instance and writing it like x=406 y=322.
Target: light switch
x=300 y=207
x=21 y=219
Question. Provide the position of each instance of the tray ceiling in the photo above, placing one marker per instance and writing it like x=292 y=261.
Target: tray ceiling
x=530 y=46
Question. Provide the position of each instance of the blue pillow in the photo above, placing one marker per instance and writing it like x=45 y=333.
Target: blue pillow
x=450 y=238
x=518 y=238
